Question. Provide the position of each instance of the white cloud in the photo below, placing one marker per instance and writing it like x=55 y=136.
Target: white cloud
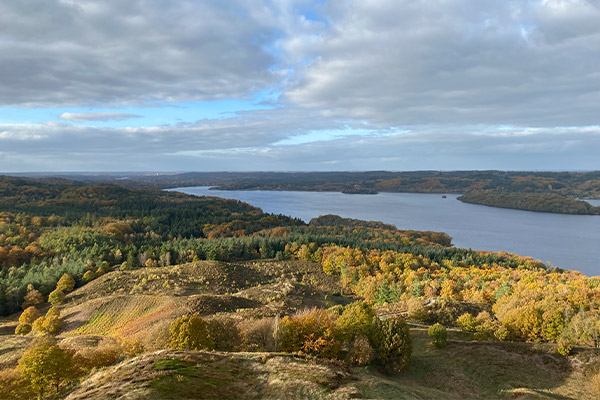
x=97 y=116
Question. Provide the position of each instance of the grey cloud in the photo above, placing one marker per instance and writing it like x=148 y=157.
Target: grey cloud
x=113 y=52
x=456 y=62
x=97 y=116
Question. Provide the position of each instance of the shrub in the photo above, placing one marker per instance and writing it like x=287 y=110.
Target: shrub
x=258 y=334
x=486 y=326
x=132 y=347
x=355 y=320
x=56 y=297
x=66 y=283
x=189 y=333
x=15 y=386
x=47 y=325
x=102 y=356
x=335 y=311
x=416 y=310
x=501 y=332
x=467 y=322
x=29 y=315
x=361 y=352
x=22 y=329
x=392 y=342
x=53 y=312
x=564 y=347
x=438 y=334
x=32 y=298
x=224 y=333
x=310 y=332
x=89 y=276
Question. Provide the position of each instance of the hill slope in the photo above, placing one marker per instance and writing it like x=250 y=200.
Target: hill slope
x=464 y=370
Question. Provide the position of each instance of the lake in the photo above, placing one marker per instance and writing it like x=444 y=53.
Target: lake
x=566 y=241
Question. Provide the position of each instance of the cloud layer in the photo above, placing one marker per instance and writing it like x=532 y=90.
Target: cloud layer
x=416 y=84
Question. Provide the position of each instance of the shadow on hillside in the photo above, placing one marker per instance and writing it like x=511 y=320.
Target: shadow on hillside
x=490 y=370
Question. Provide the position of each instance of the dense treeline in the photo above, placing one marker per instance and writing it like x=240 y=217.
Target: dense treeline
x=573 y=184
x=544 y=202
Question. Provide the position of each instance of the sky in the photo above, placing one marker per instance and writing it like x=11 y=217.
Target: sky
x=284 y=85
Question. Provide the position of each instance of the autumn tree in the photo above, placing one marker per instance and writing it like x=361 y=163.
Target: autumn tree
x=311 y=332
x=190 y=333
x=392 y=342
x=46 y=366
x=438 y=334
x=355 y=320
x=89 y=276
x=32 y=298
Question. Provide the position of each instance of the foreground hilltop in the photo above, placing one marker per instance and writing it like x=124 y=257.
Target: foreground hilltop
x=140 y=305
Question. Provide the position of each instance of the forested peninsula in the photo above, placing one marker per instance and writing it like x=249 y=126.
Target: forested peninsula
x=541 y=202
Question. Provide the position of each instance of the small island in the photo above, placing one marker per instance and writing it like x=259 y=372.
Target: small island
x=541 y=202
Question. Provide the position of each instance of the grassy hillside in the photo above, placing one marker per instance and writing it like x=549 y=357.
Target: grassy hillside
x=464 y=370
x=141 y=304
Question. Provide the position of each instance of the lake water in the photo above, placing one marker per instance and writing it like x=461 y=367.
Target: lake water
x=567 y=241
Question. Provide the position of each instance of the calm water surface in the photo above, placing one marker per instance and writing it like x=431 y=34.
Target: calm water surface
x=567 y=241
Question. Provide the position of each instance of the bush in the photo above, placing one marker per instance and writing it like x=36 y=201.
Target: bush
x=66 y=283
x=53 y=312
x=190 y=333
x=310 y=332
x=223 y=333
x=56 y=297
x=47 y=326
x=356 y=320
x=29 y=315
x=501 y=332
x=361 y=352
x=467 y=322
x=438 y=335
x=22 y=329
x=101 y=356
x=32 y=298
x=392 y=342
x=258 y=334
x=416 y=310
x=132 y=347
x=564 y=347
x=15 y=386
x=89 y=276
